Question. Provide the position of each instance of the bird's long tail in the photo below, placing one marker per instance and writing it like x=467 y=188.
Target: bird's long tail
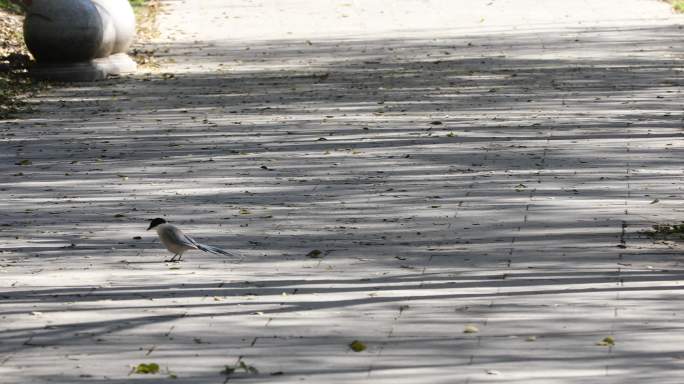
x=214 y=250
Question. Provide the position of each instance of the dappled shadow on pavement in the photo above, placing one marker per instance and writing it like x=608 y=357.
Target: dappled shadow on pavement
x=496 y=180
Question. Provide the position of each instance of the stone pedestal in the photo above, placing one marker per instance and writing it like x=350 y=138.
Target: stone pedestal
x=79 y=40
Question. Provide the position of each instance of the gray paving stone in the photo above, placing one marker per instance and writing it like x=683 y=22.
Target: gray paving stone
x=457 y=163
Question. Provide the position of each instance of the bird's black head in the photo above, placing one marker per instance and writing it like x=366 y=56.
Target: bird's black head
x=155 y=222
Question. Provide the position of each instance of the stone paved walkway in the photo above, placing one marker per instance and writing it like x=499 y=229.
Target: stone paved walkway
x=458 y=164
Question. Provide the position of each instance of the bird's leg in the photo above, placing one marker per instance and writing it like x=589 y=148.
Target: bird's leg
x=180 y=256
x=172 y=259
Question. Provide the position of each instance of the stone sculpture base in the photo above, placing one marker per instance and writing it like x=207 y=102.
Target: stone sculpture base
x=93 y=70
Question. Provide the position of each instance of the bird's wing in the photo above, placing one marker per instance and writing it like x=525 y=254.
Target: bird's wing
x=177 y=236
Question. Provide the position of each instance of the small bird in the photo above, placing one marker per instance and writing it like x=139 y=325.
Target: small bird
x=178 y=242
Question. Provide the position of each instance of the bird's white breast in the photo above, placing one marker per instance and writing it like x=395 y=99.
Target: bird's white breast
x=171 y=237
